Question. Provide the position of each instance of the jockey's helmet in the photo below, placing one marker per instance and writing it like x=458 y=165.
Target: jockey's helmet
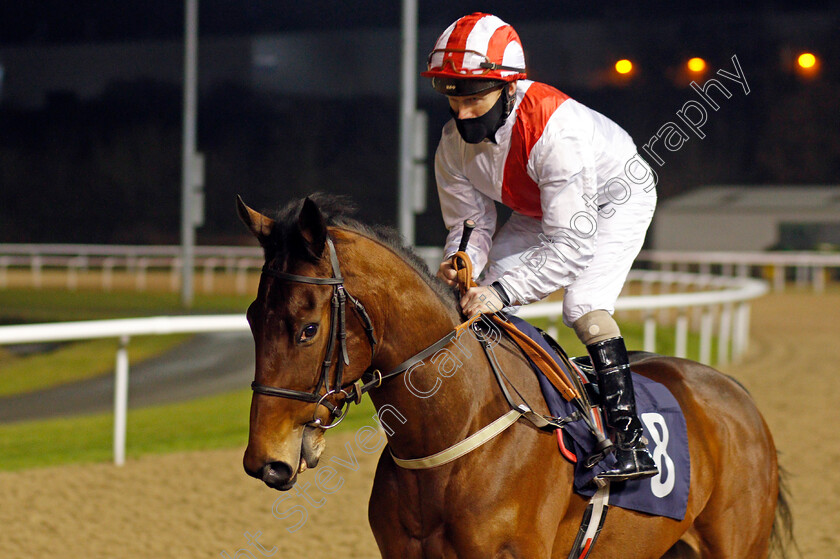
x=476 y=53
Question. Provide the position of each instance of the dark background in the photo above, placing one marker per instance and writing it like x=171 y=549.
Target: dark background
x=107 y=168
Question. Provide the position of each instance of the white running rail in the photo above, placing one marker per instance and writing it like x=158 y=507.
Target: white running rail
x=122 y=329
x=806 y=268
x=727 y=297
x=730 y=296
x=135 y=260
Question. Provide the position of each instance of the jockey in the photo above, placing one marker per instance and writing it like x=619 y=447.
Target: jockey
x=582 y=200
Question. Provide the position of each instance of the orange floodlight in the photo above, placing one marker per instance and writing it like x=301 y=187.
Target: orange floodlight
x=696 y=64
x=806 y=61
x=624 y=66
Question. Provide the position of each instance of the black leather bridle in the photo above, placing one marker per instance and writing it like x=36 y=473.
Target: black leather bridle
x=338 y=333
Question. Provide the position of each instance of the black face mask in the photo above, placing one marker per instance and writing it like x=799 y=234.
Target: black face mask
x=474 y=130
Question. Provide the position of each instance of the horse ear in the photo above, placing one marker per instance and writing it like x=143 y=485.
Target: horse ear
x=313 y=227
x=259 y=224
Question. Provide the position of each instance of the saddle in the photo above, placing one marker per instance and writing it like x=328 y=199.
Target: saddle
x=663 y=423
x=570 y=390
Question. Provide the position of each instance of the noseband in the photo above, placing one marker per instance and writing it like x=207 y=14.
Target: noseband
x=338 y=333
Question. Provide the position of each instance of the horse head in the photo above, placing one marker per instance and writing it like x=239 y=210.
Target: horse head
x=301 y=352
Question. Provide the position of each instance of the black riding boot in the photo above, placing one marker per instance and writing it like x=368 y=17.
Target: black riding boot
x=609 y=357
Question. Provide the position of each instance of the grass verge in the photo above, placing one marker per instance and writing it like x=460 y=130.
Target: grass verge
x=75 y=361
x=70 y=362
x=24 y=306
x=212 y=422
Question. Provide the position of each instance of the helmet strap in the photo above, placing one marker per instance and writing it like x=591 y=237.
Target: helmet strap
x=508 y=101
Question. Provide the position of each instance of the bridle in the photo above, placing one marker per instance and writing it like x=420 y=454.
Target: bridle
x=338 y=334
x=353 y=391
x=371 y=378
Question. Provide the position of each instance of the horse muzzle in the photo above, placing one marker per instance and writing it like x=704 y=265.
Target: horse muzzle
x=277 y=475
x=280 y=474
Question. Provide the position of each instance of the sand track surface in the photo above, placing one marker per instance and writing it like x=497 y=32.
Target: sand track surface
x=201 y=504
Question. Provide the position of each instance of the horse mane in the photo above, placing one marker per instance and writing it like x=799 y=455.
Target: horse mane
x=287 y=244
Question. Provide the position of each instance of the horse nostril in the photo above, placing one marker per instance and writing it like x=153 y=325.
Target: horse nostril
x=278 y=475
x=252 y=469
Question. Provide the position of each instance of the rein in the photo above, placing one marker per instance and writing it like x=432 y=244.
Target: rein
x=595 y=515
x=353 y=392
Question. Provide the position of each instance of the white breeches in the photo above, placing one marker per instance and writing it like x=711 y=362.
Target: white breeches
x=619 y=240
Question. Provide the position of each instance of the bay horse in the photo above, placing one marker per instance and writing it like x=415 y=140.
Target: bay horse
x=511 y=497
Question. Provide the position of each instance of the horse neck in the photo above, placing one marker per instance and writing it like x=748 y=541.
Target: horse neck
x=438 y=401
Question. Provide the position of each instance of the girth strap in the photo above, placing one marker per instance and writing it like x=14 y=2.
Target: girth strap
x=592 y=522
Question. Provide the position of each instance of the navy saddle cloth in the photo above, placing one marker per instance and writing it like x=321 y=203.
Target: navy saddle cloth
x=665 y=494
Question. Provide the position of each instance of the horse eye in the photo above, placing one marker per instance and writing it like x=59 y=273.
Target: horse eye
x=308 y=332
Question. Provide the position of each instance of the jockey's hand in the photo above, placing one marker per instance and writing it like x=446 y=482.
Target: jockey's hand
x=481 y=299
x=447 y=273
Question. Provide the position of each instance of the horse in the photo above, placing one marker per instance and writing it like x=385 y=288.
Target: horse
x=510 y=498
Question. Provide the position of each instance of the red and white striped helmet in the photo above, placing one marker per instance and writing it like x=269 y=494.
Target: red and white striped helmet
x=477 y=52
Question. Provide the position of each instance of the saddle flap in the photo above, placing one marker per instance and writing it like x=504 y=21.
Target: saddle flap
x=539 y=357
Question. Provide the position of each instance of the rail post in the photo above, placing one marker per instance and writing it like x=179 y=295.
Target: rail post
x=724 y=333
x=4 y=270
x=120 y=401
x=650 y=333
x=706 y=324
x=681 y=334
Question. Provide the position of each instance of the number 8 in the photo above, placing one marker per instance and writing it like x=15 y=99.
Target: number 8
x=659 y=487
